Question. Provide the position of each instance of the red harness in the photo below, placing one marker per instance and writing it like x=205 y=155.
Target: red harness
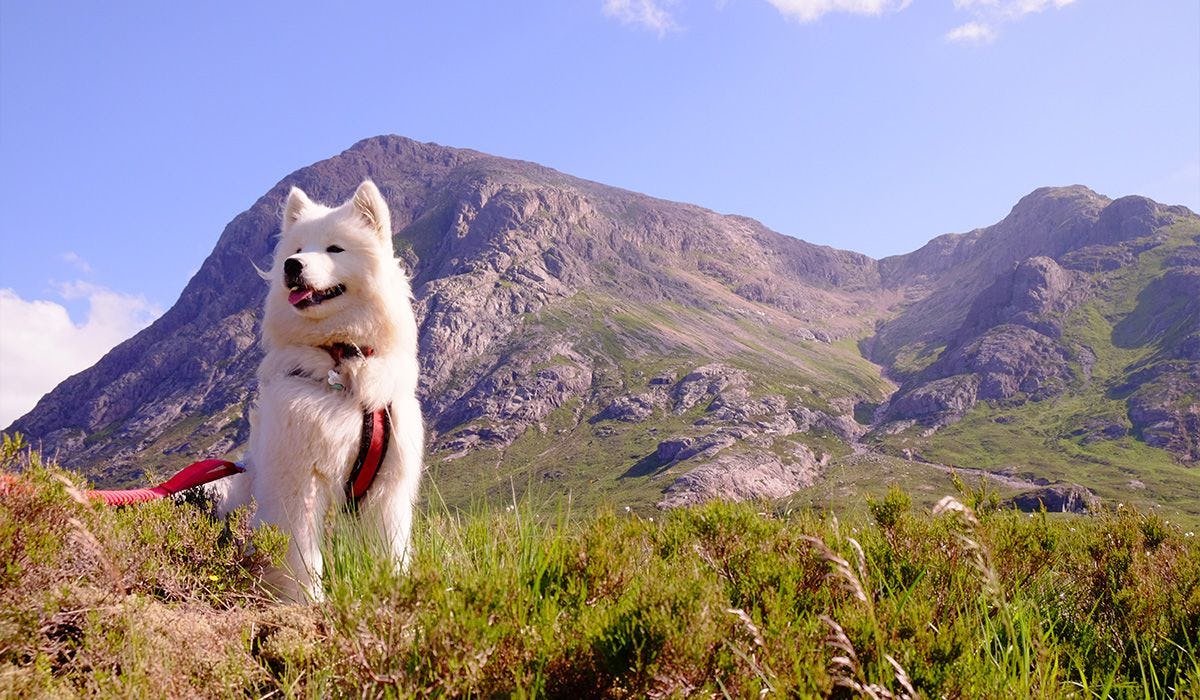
x=372 y=448
x=377 y=433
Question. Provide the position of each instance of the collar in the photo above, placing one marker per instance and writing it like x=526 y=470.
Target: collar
x=340 y=351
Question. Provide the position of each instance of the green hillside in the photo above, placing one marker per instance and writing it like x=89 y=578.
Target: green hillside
x=1136 y=328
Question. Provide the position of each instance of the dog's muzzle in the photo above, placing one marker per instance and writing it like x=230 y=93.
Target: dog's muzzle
x=302 y=295
x=293 y=270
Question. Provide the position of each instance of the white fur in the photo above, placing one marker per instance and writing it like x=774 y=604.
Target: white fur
x=304 y=434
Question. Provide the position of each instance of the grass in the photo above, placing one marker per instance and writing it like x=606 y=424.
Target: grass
x=724 y=600
x=1034 y=440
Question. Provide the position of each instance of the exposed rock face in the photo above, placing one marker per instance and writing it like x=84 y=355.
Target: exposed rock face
x=739 y=451
x=936 y=401
x=714 y=381
x=947 y=274
x=741 y=478
x=1009 y=344
x=1163 y=392
x=1099 y=428
x=1036 y=294
x=631 y=409
x=944 y=277
x=680 y=449
x=513 y=397
x=1060 y=498
x=1164 y=409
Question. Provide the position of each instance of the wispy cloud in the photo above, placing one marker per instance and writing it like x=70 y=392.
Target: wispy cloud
x=41 y=345
x=76 y=261
x=648 y=14
x=971 y=33
x=812 y=10
x=989 y=15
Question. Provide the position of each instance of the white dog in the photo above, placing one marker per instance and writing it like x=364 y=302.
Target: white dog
x=341 y=361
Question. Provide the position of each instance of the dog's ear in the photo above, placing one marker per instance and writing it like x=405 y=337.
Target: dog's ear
x=293 y=210
x=371 y=206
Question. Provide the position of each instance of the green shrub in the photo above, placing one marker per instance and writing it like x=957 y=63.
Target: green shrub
x=735 y=600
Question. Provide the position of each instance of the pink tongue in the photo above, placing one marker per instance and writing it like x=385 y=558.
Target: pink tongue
x=299 y=295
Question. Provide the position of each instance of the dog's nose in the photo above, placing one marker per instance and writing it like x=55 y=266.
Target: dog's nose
x=292 y=268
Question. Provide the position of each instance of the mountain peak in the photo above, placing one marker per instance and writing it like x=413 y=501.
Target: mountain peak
x=1076 y=193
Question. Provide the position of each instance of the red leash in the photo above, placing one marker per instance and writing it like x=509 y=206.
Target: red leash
x=377 y=432
x=196 y=474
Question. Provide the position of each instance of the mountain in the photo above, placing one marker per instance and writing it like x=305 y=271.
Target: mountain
x=1059 y=251
x=578 y=338
x=1058 y=345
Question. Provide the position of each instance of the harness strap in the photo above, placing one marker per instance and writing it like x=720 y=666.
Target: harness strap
x=194 y=474
x=376 y=434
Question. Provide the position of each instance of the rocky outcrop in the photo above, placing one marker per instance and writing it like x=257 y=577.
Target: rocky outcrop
x=938 y=401
x=1059 y=498
x=945 y=276
x=510 y=399
x=1161 y=393
x=1036 y=294
x=1074 y=226
x=1165 y=410
x=631 y=409
x=1008 y=345
x=715 y=382
x=1011 y=345
x=685 y=448
x=741 y=477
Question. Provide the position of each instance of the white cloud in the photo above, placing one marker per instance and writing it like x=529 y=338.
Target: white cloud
x=648 y=14
x=40 y=345
x=1011 y=9
x=812 y=10
x=75 y=260
x=989 y=15
x=971 y=33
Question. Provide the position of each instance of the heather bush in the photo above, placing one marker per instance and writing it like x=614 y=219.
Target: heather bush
x=736 y=600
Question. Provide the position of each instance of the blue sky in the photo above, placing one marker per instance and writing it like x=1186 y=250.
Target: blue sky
x=131 y=133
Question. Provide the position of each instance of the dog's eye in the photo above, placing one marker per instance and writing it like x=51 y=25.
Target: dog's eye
x=299 y=249
x=334 y=249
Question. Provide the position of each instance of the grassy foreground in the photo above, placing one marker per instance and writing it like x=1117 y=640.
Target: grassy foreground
x=726 y=600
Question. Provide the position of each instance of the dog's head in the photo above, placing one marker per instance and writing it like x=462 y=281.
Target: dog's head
x=333 y=269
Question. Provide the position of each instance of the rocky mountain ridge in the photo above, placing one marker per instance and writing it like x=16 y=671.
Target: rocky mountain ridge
x=1016 y=340
x=593 y=339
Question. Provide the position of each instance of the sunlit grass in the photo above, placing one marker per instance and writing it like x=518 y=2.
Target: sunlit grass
x=535 y=600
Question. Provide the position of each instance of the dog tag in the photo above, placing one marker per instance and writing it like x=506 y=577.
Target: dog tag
x=335 y=380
